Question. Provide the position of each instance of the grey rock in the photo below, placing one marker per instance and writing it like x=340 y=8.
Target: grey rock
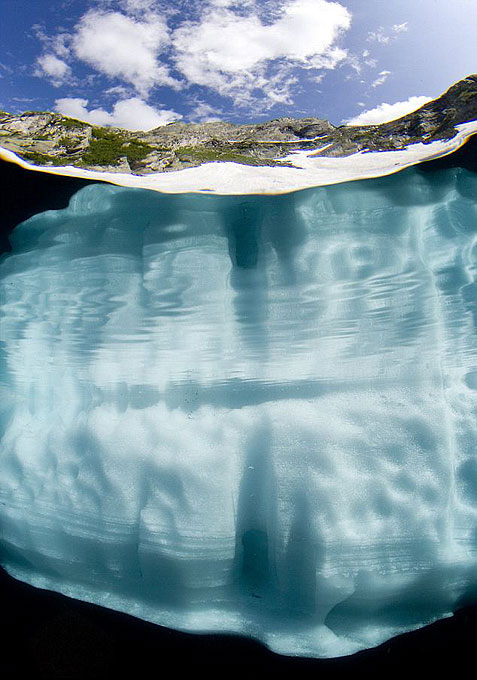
x=45 y=138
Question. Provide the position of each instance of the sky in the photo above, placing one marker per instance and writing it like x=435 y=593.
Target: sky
x=139 y=64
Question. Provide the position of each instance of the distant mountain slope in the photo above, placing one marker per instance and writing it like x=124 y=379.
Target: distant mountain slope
x=45 y=138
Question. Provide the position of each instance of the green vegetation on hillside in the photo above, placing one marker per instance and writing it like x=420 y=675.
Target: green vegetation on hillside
x=73 y=124
x=43 y=158
x=107 y=147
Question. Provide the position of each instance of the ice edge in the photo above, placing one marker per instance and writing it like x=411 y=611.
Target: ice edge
x=308 y=171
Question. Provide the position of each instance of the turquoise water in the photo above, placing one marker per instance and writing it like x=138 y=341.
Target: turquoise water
x=250 y=413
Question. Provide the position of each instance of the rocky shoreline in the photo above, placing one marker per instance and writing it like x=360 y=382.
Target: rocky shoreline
x=49 y=139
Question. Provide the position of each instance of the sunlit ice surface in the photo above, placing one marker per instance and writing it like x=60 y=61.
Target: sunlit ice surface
x=250 y=414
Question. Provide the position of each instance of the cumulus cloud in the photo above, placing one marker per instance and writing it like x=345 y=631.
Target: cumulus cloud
x=130 y=114
x=251 y=51
x=229 y=50
x=122 y=47
x=386 y=112
x=50 y=66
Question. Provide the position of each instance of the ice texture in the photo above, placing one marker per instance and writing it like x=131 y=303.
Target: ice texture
x=251 y=413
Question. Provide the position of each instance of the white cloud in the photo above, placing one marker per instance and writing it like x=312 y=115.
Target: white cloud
x=230 y=51
x=133 y=6
x=381 y=79
x=369 y=60
x=60 y=45
x=6 y=69
x=49 y=66
x=204 y=113
x=354 y=62
x=57 y=44
x=119 y=91
x=386 y=112
x=247 y=50
x=382 y=36
x=121 y=47
x=130 y=114
x=400 y=28
x=378 y=36
x=221 y=3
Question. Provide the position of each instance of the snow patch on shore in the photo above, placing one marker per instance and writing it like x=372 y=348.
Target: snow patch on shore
x=234 y=179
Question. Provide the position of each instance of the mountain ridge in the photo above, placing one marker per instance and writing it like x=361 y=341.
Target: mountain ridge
x=50 y=139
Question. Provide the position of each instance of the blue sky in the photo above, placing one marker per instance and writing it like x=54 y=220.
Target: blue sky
x=142 y=63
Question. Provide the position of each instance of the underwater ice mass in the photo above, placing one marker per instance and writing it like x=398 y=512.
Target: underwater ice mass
x=250 y=414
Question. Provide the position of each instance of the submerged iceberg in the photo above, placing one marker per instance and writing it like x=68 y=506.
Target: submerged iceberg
x=249 y=414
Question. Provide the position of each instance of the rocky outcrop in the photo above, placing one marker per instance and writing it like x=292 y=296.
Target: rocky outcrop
x=433 y=121
x=46 y=138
